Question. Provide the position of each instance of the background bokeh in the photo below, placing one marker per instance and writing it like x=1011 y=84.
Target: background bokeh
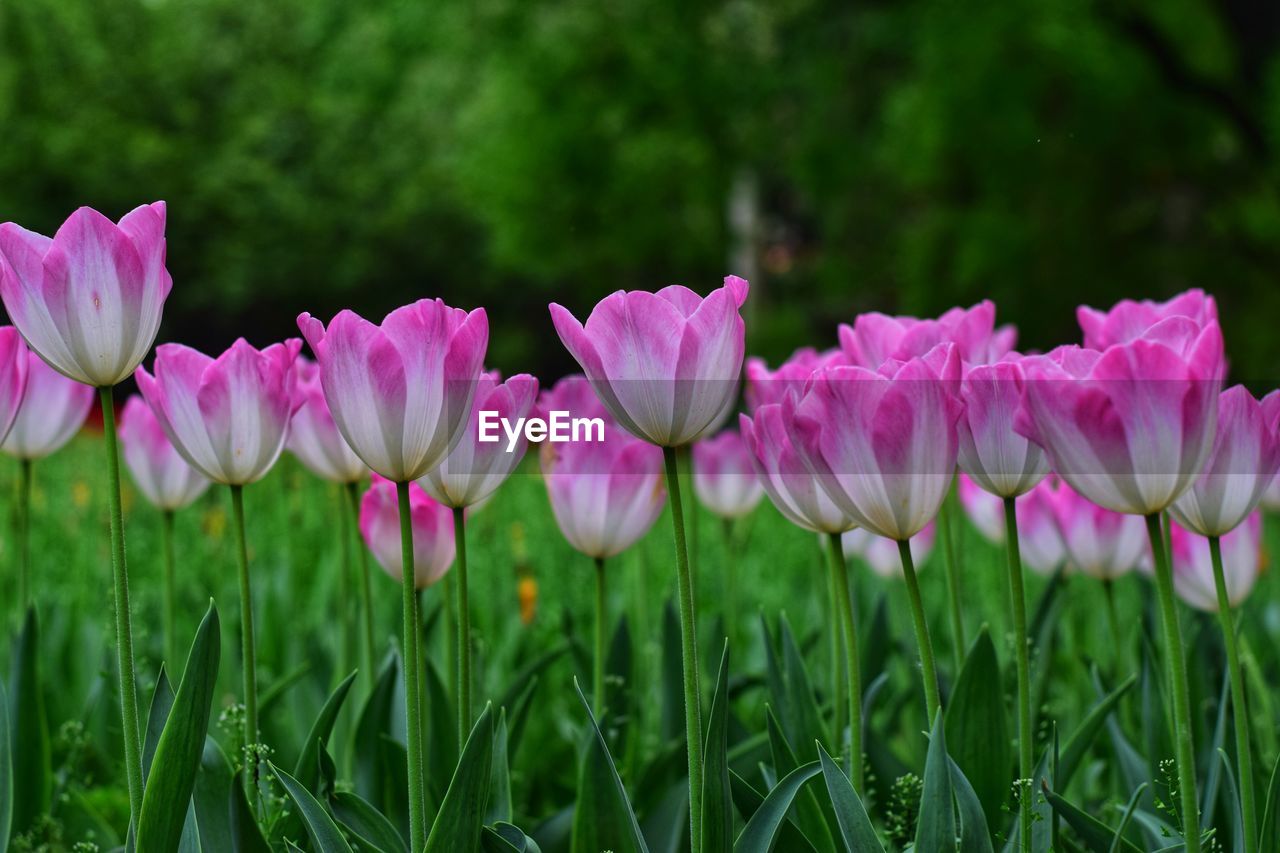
x=902 y=156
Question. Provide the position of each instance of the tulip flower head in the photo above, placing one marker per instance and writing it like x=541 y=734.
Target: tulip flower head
x=882 y=443
x=997 y=458
x=433 y=543
x=1193 y=564
x=1243 y=463
x=401 y=392
x=1129 y=428
x=1039 y=541
x=314 y=437
x=52 y=411
x=14 y=365
x=1099 y=542
x=229 y=416
x=723 y=477
x=89 y=300
x=1129 y=319
x=881 y=553
x=766 y=386
x=474 y=469
x=666 y=364
x=790 y=487
x=159 y=471
x=875 y=338
x=605 y=494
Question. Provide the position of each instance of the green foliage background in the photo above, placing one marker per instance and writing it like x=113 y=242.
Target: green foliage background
x=906 y=156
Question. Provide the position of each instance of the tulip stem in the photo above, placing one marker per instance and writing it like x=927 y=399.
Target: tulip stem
x=345 y=654
x=1239 y=711
x=730 y=579
x=247 y=649
x=464 y=629
x=601 y=604
x=688 y=654
x=1176 y=664
x=366 y=586
x=413 y=718
x=24 y=533
x=839 y=668
x=848 y=628
x=929 y=670
x=953 y=581
x=170 y=607
x=1113 y=623
x=1026 y=757
x=124 y=627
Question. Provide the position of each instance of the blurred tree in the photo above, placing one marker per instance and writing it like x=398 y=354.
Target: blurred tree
x=900 y=156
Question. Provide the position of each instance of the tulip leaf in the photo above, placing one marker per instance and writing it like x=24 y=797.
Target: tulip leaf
x=181 y=746
x=1233 y=803
x=747 y=800
x=802 y=720
x=6 y=771
x=1095 y=834
x=461 y=816
x=936 y=823
x=372 y=776
x=366 y=823
x=504 y=837
x=977 y=727
x=809 y=815
x=717 y=802
x=212 y=798
x=855 y=824
x=157 y=716
x=31 y=754
x=1086 y=732
x=324 y=833
x=975 y=832
x=603 y=818
x=761 y=832
x=1270 y=829
x=307 y=769
x=500 y=783
x=442 y=733
x=672 y=681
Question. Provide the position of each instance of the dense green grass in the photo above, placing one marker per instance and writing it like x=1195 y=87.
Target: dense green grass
x=303 y=602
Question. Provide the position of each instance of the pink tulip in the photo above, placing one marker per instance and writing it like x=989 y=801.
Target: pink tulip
x=1100 y=543
x=766 y=386
x=1129 y=428
x=401 y=392
x=1193 y=566
x=1128 y=320
x=433 y=545
x=997 y=458
x=159 y=471
x=14 y=365
x=790 y=486
x=474 y=470
x=723 y=478
x=875 y=338
x=1039 y=541
x=89 y=300
x=605 y=494
x=52 y=411
x=881 y=554
x=313 y=435
x=664 y=364
x=1244 y=460
x=228 y=417
x=573 y=394
x=882 y=443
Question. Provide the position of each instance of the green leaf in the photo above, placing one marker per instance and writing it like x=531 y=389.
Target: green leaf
x=157 y=716
x=245 y=832
x=30 y=757
x=6 y=771
x=1270 y=830
x=717 y=808
x=372 y=775
x=324 y=833
x=1134 y=800
x=1233 y=801
x=366 y=823
x=461 y=815
x=977 y=728
x=808 y=812
x=802 y=720
x=504 y=837
x=761 y=831
x=277 y=691
x=181 y=747
x=500 y=783
x=672 y=683
x=212 y=798
x=441 y=735
x=1095 y=834
x=936 y=824
x=748 y=801
x=603 y=818
x=975 y=833
x=307 y=769
x=855 y=825
x=1087 y=731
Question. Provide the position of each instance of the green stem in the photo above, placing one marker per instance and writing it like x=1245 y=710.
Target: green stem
x=346 y=656
x=1026 y=757
x=464 y=629
x=413 y=717
x=247 y=648
x=124 y=628
x=848 y=626
x=730 y=580
x=688 y=654
x=953 y=582
x=1239 y=711
x=839 y=667
x=1113 y=623
x=170 y=607
x=929 y=671
x=24 y=533
x=601 y=617
x=1176 y=664
x=366 y=585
